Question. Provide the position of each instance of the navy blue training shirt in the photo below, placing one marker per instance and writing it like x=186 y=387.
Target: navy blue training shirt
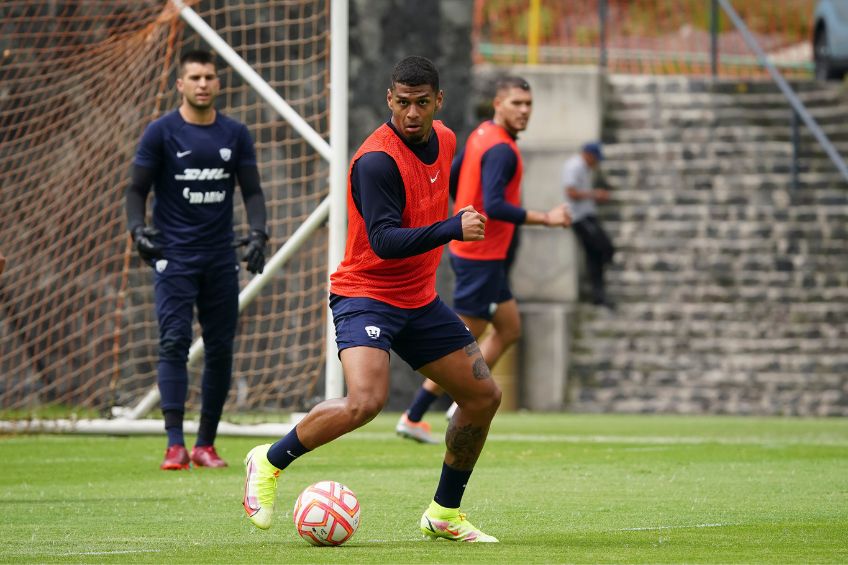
x=195 y=175
x=378 y=192
x=497 y=167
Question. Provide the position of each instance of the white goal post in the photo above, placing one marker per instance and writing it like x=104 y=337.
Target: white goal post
x=129 y=420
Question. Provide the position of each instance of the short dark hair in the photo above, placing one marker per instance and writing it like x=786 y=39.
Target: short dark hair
x=415 y=71
x=511 y=81
x=198 y=56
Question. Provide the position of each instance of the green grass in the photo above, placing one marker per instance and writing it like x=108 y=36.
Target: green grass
x=553 y=488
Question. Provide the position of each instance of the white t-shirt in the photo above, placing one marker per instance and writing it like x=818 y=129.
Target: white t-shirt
x=577 y=174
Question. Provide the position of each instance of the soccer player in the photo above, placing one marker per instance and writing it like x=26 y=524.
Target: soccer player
x=383 y=297
x=193 y=157
x=488 y=175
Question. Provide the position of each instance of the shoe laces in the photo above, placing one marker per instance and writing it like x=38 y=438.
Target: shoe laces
x=269 y=487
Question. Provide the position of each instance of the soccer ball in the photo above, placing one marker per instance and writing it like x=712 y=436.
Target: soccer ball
x=326 y=513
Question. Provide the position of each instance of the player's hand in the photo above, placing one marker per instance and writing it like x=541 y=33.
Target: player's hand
x=473 y=224
x=254 y=255
x=144 y=244
x=560 y=216
x=601 y=195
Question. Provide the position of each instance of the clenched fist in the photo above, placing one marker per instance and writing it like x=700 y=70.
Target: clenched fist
x=473 y=224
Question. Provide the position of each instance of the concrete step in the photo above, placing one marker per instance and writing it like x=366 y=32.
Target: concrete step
x=623 y=84
x=762 y=328
x=713 y=392
x=631 y=315
x=753 y=100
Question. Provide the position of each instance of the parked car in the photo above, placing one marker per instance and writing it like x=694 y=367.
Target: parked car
x=830 y=39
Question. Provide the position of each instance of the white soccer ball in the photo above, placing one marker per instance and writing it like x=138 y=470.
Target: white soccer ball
x=326 y=513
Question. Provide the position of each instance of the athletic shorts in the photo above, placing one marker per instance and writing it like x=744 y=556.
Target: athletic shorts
x=480 y=286
x=418 y=335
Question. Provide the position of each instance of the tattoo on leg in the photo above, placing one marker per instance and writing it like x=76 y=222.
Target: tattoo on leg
x=479 y=368
x=472 y=349
x=465 y=443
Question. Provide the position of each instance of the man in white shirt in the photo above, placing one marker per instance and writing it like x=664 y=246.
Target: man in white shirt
x=583 y=198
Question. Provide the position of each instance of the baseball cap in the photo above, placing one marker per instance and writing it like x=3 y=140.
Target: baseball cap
x=594 y=148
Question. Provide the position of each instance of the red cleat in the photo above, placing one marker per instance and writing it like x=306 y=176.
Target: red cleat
x=176 y=458
x=206 y=456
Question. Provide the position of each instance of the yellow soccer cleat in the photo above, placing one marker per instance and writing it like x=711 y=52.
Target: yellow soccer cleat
x=451 y=524
x=260 y=486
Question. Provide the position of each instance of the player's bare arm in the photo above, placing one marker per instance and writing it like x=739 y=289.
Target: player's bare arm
x=558 y=216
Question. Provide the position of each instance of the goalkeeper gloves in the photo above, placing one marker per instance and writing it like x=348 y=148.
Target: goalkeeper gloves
x=254 y=255
x=144 y=245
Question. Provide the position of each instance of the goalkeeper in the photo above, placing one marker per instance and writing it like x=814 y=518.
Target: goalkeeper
x=192 y=157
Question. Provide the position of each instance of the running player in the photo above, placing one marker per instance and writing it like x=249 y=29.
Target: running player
x=488 y=174
x=383 y=297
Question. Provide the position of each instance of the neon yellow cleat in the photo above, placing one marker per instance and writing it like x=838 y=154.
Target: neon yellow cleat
x=451 y=524
x=260 y=486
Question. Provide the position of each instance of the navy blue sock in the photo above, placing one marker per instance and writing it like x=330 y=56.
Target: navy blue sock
x=173 y=388
x=217 y=375
x=207 y=430
x=174 y=426
x=285 y=451
x=451 y=486
x=420 y=404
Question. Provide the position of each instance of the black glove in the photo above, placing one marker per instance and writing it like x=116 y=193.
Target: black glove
x=254 y=255
x=143 y=238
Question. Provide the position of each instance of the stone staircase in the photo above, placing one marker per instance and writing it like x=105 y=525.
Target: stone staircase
x=732 y=287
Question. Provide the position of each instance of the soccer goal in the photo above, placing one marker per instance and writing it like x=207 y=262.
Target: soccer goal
x=79 y=81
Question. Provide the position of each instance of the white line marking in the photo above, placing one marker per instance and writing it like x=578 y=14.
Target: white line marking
x=649 y=440
x=646 y=529
x=116 y=552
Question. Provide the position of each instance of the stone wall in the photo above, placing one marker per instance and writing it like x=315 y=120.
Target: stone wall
x=732 y=286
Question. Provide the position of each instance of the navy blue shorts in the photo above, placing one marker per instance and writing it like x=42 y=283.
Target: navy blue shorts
x=418 y=335
x=480 y=286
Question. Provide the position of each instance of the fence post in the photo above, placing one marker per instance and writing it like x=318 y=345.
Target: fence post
x=533 y=31
x=602 y=16
x=714 y=15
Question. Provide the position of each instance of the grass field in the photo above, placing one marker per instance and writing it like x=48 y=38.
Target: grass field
x=553 y=488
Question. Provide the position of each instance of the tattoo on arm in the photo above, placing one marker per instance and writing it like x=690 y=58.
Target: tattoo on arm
x=465 y=443
x=479 y=368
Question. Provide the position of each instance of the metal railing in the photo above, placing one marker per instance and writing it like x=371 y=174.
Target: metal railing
x=642 y=36
x=689 y=37
x=799 y=111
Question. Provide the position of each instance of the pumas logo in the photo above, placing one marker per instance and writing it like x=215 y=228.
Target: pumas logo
x=208 y=197
x=372 y=331
x=225 y=153
x=161 y=265
x=203 y=174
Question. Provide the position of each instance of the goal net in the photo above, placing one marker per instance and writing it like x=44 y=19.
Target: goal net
x=79 y=81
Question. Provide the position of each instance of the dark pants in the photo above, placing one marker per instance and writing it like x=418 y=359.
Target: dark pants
x=209 y=282
x=599 y=252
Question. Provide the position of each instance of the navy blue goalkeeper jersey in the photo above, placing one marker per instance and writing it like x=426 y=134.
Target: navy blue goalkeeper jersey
x=195 y=176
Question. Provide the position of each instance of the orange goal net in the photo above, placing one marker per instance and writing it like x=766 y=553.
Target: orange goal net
x=79 y=81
